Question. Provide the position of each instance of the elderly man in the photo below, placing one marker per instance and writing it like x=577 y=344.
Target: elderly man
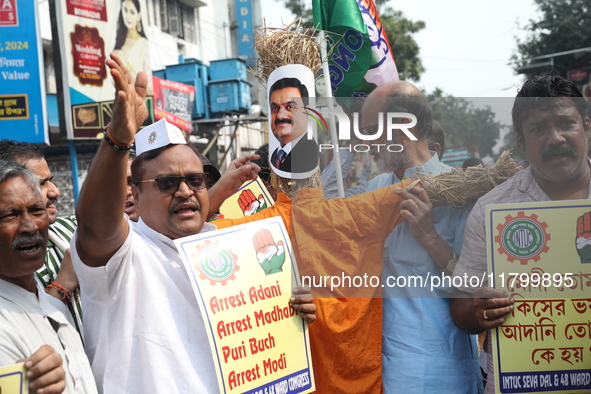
x=33 y=325
x=552 y=132
x=57 y=274
x=329 y=175
x=144 y=331
x=289 y=123
x=422 y=350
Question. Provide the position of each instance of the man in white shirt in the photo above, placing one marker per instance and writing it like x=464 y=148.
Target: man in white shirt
x=34 y=327
x=144 y=332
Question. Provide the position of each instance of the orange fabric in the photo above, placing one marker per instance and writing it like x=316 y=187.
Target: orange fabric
x=331 y=237
x=281 y=208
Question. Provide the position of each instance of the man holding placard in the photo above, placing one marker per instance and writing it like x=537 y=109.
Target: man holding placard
x=550 y=119
x=144 y=331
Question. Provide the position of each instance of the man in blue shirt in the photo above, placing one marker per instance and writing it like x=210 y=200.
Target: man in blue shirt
x=422 y=351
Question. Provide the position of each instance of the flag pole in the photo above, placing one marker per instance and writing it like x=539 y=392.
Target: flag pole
x=331 y=118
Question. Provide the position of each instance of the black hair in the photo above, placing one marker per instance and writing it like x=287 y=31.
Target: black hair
x=533 y=94
x=11 y=150
x=263 y=162
x=290 y=83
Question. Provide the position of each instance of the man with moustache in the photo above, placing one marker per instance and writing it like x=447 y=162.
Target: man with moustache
x=34 y=328
x=422 y=350
x=289 y=124
x=57 y=274
x=144 y=332
x=552 y=126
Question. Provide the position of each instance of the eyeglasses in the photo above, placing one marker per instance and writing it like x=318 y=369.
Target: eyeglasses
x=170 y=184
x=370 y=130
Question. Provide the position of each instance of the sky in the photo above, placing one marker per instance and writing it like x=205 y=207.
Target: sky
x=465 y=46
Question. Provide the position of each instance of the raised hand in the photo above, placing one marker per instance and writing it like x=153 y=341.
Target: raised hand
x=129 y=107
x=271 y=256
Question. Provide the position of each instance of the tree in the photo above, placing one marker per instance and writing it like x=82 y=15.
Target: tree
x=399 y=30
x=465 y=124
x=564 y=25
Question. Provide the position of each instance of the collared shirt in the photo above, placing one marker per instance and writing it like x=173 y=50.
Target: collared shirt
x=63 y=228
x=143 y=329
x=422 y=349
x=27 y=323
x=520 y=188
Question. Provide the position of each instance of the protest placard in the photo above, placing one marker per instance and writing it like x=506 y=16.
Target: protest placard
x=242 y=277
x=540 y=254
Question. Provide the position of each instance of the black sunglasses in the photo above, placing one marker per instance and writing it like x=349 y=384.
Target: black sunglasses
x=170 y=184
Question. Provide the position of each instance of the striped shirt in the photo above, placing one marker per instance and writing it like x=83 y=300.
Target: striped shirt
x=522 y=187
x=329 y=177
x=63 y=228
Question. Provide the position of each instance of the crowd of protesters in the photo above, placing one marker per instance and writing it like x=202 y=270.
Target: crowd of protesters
x=99 y=302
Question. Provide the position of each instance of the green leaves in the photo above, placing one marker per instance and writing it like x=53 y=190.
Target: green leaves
x=563 y=26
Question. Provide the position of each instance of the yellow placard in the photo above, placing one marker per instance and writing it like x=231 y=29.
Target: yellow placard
x=540 y=254
x=251 y=198
x=13 y=379
x=242 y=277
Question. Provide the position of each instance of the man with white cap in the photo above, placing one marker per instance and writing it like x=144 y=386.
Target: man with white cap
x=144 y=332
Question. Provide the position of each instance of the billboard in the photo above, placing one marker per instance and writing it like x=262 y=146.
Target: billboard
x=23 y=114
x=88 y=31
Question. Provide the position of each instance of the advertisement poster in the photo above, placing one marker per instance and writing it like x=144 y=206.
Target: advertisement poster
x=242 y=277
x=23 y=110
x=251 y=198
x=174 y=102
x=292 y=154
x=540 y=254
x=13 y=379
x=88 y=32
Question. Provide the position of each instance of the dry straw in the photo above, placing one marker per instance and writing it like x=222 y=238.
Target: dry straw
x=292 y=44
x=277 y=47
x=458 y=187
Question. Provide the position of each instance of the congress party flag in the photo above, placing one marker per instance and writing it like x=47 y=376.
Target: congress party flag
x=361 y=57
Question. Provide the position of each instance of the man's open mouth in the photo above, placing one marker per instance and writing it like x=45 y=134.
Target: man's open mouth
x=28 y=246
x=186 y=208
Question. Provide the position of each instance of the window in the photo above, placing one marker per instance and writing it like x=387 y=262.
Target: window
x=188 y=22
x=178 y=19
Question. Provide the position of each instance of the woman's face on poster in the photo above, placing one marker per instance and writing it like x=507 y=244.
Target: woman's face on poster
x=131 y=15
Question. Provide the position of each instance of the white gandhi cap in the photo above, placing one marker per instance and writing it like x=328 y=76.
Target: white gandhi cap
x=157 y=135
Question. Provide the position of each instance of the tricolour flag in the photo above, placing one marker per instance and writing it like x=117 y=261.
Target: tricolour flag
x=361 y=57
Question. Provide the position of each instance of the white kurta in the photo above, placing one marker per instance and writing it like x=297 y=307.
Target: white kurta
x=25 y=326
x=143 y=330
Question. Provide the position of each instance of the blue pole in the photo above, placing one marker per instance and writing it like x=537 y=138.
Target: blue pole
x=74 y=169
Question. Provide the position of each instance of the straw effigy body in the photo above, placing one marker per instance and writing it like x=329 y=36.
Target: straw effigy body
x=458 y=187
